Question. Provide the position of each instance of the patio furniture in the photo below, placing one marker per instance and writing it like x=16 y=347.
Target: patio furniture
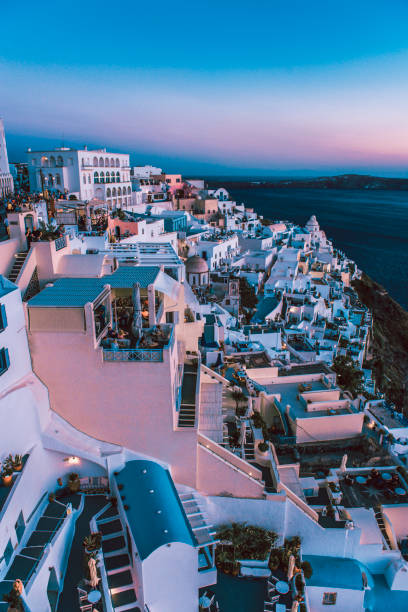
x=280 y=607
x=205 y=601
x=361 y=480
x=386 y=476
x=254 y=572
x=282 y=587
x=400 y=491
x=94 y=596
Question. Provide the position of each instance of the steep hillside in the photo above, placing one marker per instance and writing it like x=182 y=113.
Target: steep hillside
x=390 y=340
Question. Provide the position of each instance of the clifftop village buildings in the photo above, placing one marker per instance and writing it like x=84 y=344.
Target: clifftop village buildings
x=166 y=369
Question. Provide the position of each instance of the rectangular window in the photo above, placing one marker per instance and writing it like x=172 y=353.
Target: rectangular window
x=329 y=599
x=3 y=318
x=169 y=317
x=4 y=360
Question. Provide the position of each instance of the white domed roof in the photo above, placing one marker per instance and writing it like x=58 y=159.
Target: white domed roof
x=312 y=222
x=196 y=265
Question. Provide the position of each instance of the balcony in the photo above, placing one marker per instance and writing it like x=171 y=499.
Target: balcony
x=143 y=353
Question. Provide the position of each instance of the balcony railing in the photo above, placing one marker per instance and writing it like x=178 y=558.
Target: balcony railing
x=138 y=354
x=60 y=243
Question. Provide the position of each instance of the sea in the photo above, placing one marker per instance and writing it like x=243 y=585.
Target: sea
x=370 y=226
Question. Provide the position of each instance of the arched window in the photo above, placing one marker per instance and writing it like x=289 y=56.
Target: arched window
x=108 y=192
x=102 y=177
x=112 y=162
x=70 y=161
x=117 y=177
x=129 y=190
x=95 y=162
x=84 y=179
x=101 y=164
x=107 y=162
x=44 y=162
x=114 y=192
x=96 y=177
x=51 y=180
x=58 y=179
x=52 y=162
x=89 y=178
x=113 y=177
x=117 y=163
x=60 y=161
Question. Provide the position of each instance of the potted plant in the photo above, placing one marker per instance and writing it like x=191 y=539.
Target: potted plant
x=18 y=463
x=7 y=475
x=263 y=447
x=13 y=598
x=92 y=542
x=73 y=482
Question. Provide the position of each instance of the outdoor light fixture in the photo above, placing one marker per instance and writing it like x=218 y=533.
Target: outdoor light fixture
x=72 y=460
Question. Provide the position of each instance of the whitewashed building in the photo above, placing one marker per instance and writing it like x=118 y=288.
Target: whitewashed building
x=86 y=174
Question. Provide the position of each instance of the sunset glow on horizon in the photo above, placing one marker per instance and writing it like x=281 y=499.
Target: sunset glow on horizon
x=326 y=91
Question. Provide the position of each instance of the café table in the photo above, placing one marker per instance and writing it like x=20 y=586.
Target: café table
x=361 y=479
x=282 y=587
x=94 y=596
x=386 y=476
x=400 y=491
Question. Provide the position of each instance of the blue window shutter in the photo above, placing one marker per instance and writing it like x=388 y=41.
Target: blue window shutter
x=6 y=358
x=3 y=317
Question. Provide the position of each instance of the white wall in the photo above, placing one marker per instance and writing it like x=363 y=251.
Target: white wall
x=347 y=600
x=170 y=578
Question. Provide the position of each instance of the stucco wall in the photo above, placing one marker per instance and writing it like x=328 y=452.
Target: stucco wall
x=217 y=477
x=127 y=403
x=170 y=578
x=347 y=600
x=333 y=427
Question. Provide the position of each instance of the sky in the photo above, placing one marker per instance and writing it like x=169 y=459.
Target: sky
x=269 y=87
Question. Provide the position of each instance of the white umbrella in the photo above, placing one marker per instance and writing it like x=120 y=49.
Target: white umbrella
x=137 y=311
x=291 y=566
x=343 y=463
x=93 y=573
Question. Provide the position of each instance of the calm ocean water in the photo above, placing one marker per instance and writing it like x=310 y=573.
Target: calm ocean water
x=371 y=227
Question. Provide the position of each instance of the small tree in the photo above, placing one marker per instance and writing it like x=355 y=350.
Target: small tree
x=348 y=376
x=307 y=570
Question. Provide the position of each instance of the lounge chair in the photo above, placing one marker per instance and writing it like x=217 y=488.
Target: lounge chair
x=254 y=572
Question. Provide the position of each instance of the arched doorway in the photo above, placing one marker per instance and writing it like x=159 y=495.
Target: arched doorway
x=29 y=222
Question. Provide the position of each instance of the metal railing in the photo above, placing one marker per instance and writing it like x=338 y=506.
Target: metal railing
x=137 y=354
x=60 y=243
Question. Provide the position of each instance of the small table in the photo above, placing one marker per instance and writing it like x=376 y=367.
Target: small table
x=361 y=479
x=280 y=607
x=400 y=491
x=386 y=476
x=94 y=596
x=204 y=602
x=282 y=587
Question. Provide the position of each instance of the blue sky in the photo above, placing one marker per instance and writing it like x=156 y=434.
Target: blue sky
x=216 y=87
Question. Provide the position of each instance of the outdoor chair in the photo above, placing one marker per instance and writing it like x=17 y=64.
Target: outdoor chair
x=275 y=599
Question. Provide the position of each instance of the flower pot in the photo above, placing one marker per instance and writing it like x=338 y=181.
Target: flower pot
x=18 y=467
x=7 y=480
